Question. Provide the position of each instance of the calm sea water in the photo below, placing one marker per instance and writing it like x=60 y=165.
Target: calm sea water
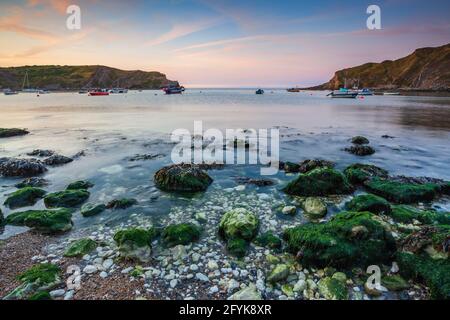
x=112 y=129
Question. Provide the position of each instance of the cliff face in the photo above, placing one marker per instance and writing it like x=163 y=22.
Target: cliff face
x=76 y=77
x=424 y=69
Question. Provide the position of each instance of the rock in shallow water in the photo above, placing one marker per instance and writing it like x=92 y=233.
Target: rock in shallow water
x=12 y=167
x=182 y=178
x=12 y=132
x=314 y=208
x=45 y=221
x=24 y=197
x=66 y=199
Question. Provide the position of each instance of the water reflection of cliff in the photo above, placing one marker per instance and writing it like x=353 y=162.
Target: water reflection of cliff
x=427 y=117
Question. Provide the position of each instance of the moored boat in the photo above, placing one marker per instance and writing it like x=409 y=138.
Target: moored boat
x=343 y=93
x=365 y=92
x=174 y=90
x=259 y=91
x=9 y=92
x=99 y=92
x=391 y=93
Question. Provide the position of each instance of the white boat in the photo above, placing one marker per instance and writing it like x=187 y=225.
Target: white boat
x=9 y=92
x=365 y=92
x=391 y=93
x=118 y=90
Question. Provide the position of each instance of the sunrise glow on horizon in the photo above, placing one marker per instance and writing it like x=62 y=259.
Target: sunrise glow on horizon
x=219 y=43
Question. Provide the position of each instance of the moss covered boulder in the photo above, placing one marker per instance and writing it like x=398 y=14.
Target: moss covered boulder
x=369 y=202
x=66 y=199
x=314 y=208
x=403 y=193
x=311 y=164
x=122 y=204
x=407 y=214
x=359 y=173
x=434 y=273
x=348 y=239
x=39 y=278
x=12 y=132
x=239 y=223
x=80 y=247
x=45 y=221
x=24 y=197
x=135 y=243
x=319 y=182
x=332 y=289
x=81 y=184
x=182 y=178
x=183 y=233
x=92 y=209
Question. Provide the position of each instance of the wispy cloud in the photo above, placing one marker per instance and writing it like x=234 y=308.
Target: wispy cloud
x=183 y=29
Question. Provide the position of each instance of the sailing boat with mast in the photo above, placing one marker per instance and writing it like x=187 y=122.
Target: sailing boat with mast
x=26 y=85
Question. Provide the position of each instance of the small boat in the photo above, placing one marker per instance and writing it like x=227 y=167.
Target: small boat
x=118 y=90
x=259 y=91
x=174 y=90
x=9 y=92
x=343 y=93
x=365 y=92
x=99 y=92
x=26 y=85
x=293 y=89
x=391 y=93
x=43 y=92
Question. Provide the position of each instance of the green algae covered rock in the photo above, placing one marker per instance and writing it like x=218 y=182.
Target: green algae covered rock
x=332 y=289
x=279 y=273
x=12 y=132
x=135 y=243
x=403 y=193
x=45 y=221
x=183 y=233
x=77 y=185
x=348 y=239
x=124 y=203
x=237 y=247
x=2 y=218
x=24 y=197
x=239 y=223
x=359 y=173
x=269 y=240
x=42 y=274
x=41 y=295
x=434 y=273
x=66 y=199
x=369 y=202
x=92 y=209
x=80 y=247
x=319 y=182
x=39 y=278
x=182 y=178
x=394 y=282
x=314 y=207
x=407 y=214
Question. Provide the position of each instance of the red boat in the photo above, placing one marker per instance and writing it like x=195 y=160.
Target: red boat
x=99 y=93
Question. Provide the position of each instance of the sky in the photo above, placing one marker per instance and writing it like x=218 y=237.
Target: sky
x=220 y=43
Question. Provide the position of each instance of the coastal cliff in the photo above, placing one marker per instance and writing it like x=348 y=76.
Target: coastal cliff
x=77 y=77
x=426 y=69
